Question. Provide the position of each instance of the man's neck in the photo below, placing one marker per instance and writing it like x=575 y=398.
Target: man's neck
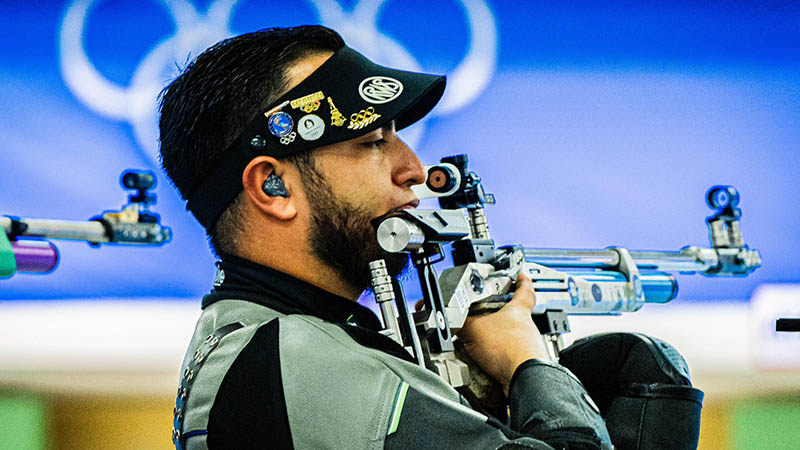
x=308 y=269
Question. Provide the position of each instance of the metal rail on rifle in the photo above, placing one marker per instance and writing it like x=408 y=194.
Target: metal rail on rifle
x=607 y=281
x=24 y=246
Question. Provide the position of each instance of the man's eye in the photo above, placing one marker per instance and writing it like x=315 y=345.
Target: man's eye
x=376 y=144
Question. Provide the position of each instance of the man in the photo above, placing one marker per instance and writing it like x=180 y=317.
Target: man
x=284 y=144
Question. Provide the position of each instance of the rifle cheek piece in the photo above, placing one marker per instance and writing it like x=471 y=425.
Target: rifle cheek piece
x=408 y=230
x=396 y=235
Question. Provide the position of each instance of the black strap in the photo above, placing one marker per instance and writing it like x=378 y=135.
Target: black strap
x=187 y=379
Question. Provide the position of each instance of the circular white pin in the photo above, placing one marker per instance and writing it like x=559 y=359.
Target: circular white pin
x=310 y=127
x=379 y=89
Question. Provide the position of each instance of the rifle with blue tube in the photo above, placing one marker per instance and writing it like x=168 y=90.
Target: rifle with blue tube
x=24 y=245
x=610 y=281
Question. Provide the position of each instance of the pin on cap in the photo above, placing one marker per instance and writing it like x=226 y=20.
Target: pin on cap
x=310 y=127
x=280 y=123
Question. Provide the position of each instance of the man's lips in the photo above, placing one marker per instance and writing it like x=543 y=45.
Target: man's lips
x=410 y=205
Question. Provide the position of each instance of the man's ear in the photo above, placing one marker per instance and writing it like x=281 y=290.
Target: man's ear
x=253 y=178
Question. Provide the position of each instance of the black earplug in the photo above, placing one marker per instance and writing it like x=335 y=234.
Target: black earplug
x=274 y=187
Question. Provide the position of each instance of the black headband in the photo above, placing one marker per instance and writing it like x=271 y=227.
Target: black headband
x=346 y=97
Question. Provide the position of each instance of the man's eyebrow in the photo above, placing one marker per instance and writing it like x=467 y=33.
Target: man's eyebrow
x=388 y=128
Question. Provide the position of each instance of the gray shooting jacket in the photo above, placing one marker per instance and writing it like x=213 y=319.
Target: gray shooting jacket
x=276 y=363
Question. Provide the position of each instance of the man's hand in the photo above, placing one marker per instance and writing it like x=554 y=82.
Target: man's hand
x=501 y=341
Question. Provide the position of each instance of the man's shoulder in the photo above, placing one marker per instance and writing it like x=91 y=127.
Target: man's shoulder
x=231 y=310
x=305 y=346
x=299 y=370
x=292 y=336
x=295 y=329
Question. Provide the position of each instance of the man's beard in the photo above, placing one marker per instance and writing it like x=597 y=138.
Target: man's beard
x=342 y=236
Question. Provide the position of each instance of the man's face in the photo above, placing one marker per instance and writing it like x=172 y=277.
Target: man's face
x=348 y=185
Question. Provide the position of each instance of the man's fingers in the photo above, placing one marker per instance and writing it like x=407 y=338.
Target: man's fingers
x=524 y=295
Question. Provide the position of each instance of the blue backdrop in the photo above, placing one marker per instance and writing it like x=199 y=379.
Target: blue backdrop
x=595 y=124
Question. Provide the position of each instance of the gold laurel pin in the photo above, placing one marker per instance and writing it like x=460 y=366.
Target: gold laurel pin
x=363 y=118
x=337 y=118
x=308 y=103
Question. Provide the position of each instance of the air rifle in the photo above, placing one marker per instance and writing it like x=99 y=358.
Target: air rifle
x=24 y=246
x=599 y=282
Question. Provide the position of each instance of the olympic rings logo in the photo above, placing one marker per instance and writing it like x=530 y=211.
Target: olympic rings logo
x=363 y=118
x=289 y=138
x=363 y=114
x=136 y=103
x=311 y=107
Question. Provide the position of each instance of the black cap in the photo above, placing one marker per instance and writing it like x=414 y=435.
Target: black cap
x=346 y=97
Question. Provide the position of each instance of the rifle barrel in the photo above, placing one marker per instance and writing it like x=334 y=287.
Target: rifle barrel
x=91 y=231
x=669 y=261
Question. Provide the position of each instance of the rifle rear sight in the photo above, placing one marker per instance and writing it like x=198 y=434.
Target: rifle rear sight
x=141 y=181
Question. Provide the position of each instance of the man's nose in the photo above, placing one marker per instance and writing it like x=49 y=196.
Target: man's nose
x=408 y=169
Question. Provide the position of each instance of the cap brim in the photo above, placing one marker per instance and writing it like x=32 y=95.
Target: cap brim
x=362 y=95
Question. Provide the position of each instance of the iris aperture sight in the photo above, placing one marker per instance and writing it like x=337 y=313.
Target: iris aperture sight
x=138 y=179
x=722 y=197
x=141 y=181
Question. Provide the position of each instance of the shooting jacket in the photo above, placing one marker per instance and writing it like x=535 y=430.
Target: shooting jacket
x=276 y=363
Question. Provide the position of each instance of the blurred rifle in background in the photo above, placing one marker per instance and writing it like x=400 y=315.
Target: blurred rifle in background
x=24 y=245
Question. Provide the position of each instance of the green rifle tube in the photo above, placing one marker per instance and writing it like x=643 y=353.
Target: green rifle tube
x=8 y=263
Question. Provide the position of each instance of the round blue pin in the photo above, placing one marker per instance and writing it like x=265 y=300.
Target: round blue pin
x=280 y=124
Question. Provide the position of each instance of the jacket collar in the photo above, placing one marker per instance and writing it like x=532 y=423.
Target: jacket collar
x=243 y=279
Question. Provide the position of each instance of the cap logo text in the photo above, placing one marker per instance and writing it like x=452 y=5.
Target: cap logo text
x=380 y=89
